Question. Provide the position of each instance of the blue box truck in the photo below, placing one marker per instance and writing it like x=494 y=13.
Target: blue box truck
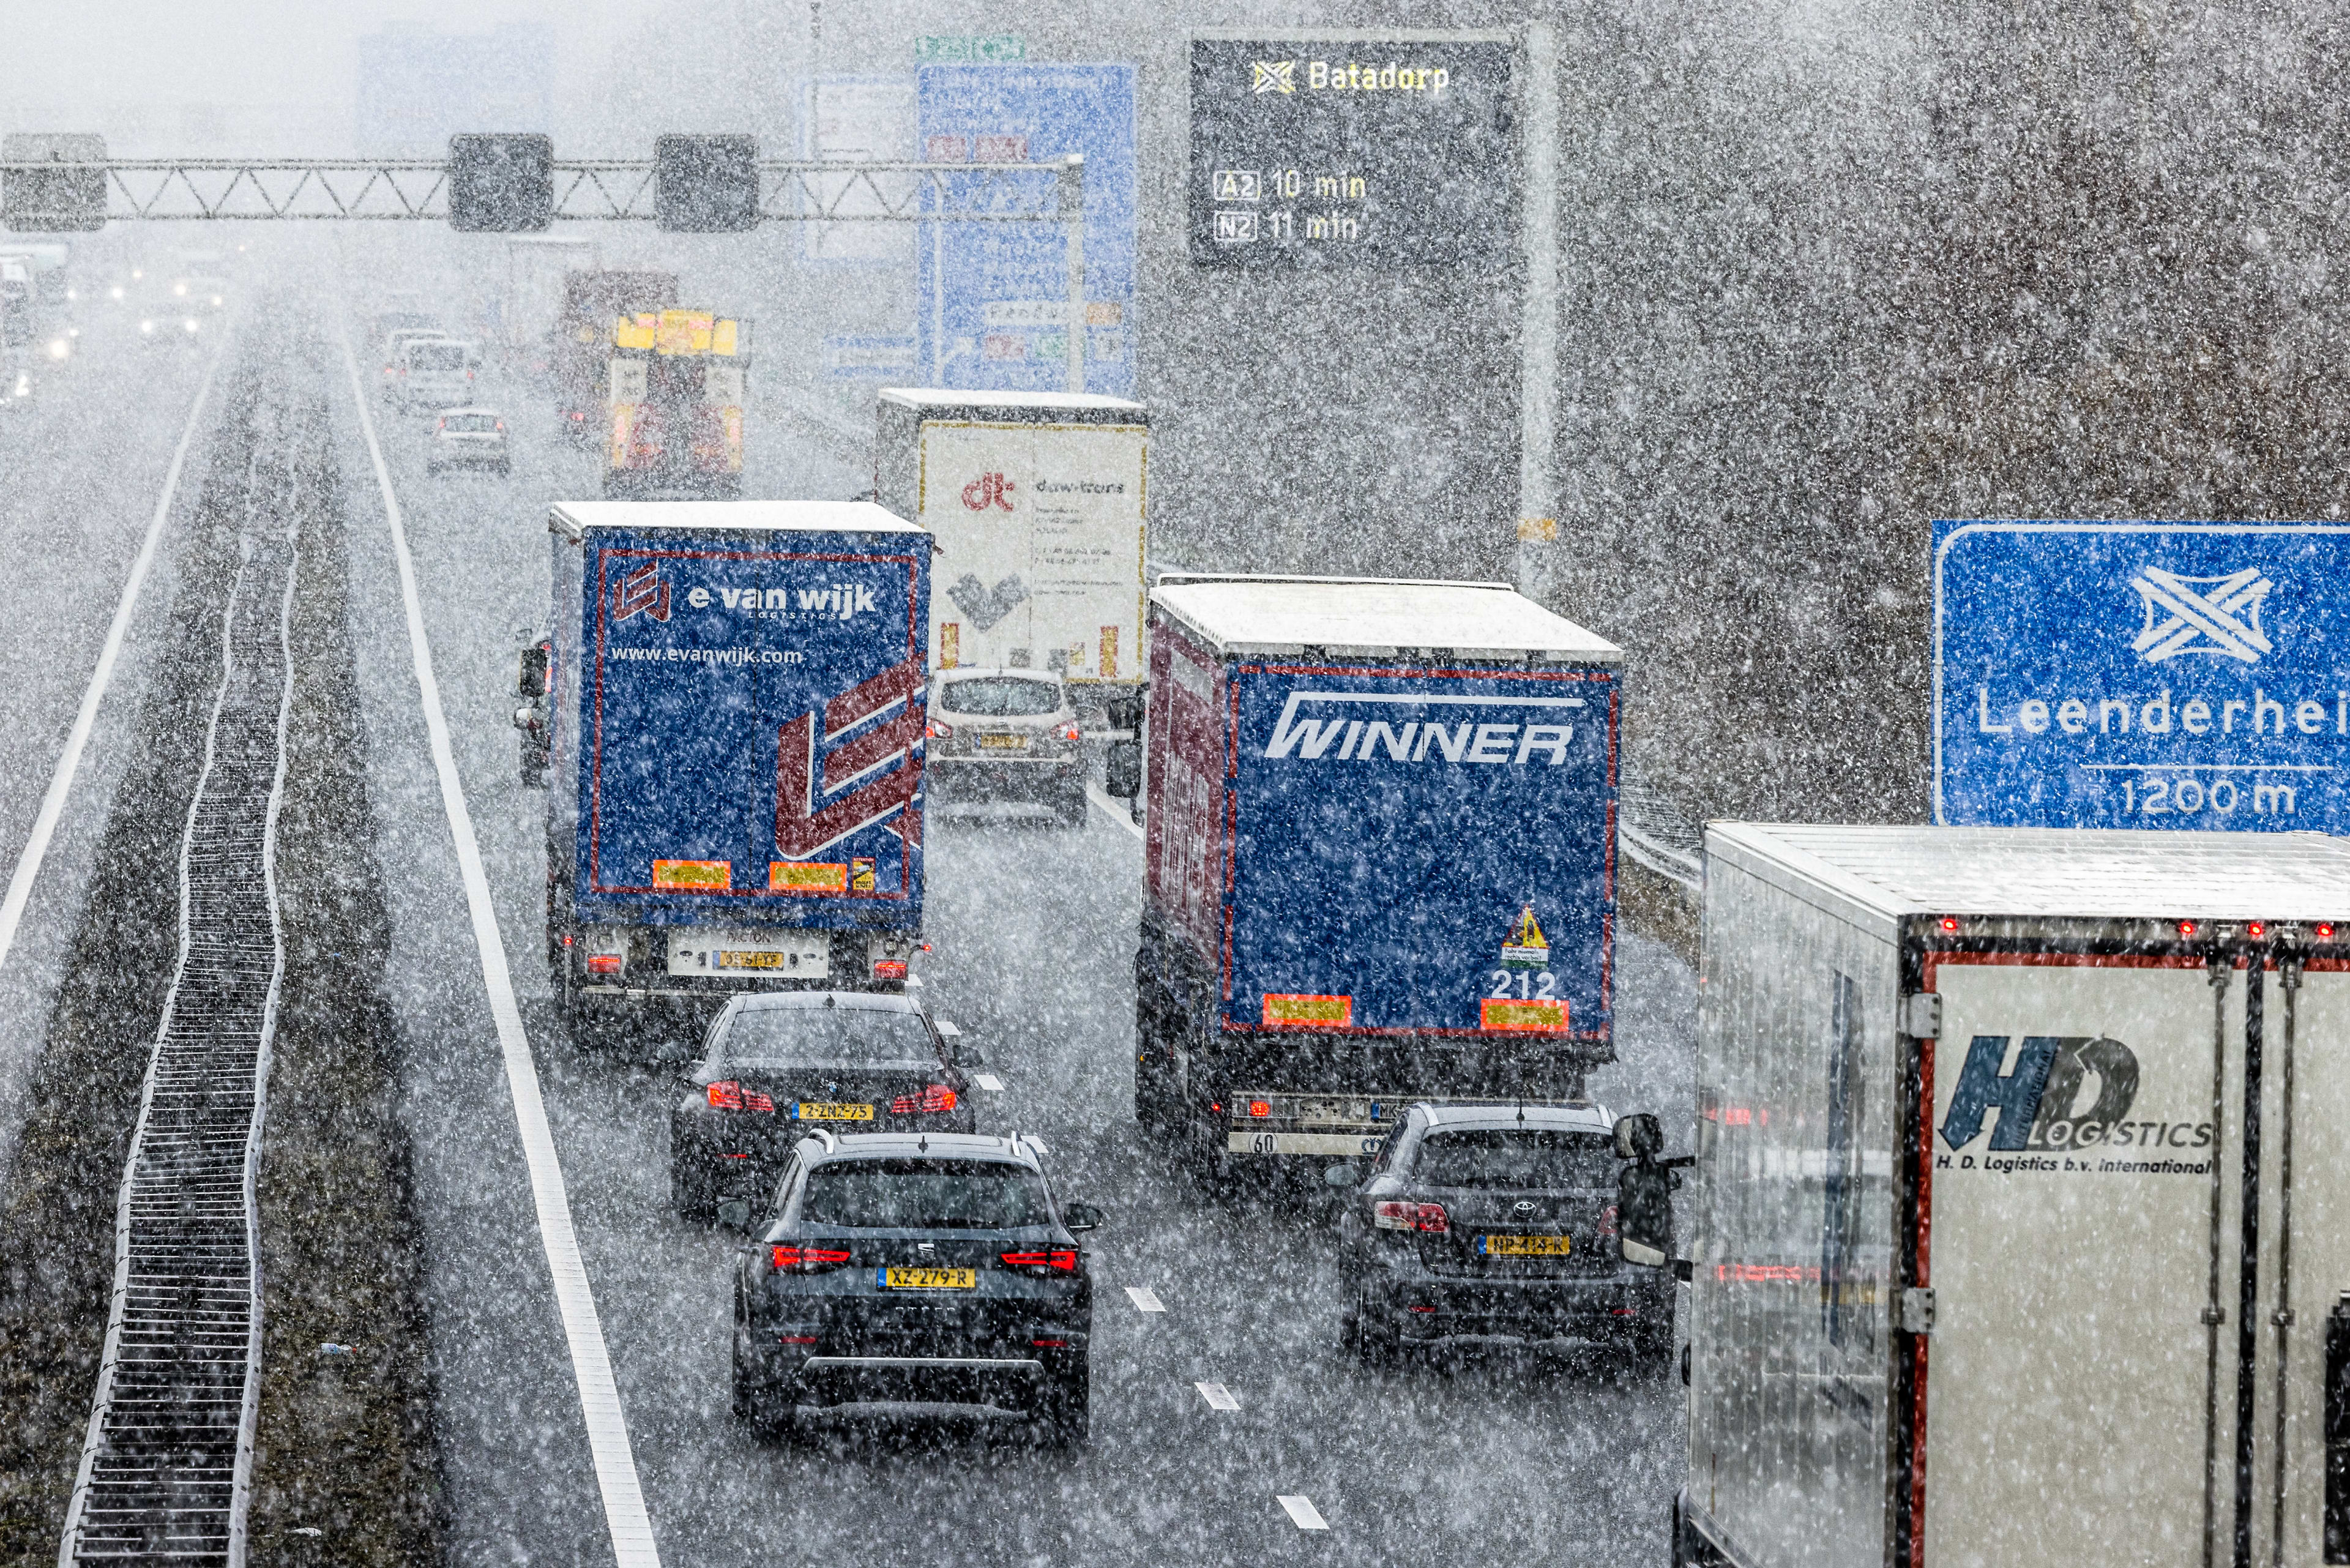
x=731 y=712
x=1380 y=861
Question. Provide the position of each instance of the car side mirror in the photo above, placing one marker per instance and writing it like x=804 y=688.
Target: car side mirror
x=734 y=1214
x=531 y=681
x=1638 y=1138
x=1080 y=1217
x=953 y=1036
x=1124 y=770
x=1124 y=714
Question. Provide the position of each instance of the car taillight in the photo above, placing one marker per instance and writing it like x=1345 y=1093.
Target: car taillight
x=1395 y=1215
x=440 y=424
x=808 y=1259
x=1049 y=1260
x=578 y=418
x=1607 y=1221
x=728 y=1094
x=889 y=968
x=1069 y=731
x=929 y=1102
x=937 y=731
x=603 y=963
x=500 y=427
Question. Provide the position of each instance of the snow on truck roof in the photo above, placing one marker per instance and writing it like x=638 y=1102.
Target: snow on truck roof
x=573 y=518
x=1374 y=615
x=2054 y=872
x=958 y=398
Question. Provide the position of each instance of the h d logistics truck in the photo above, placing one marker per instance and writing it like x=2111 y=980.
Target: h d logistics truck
x=2020 y=1231
x=1378 y=865
x=675 y=418
x=734 y=726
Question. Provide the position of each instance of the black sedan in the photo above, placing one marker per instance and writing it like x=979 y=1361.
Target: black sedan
x=901 y=1268
x=776 y=1063
x=1496 y=1224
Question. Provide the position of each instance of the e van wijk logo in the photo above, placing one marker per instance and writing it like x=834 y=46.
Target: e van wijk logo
x=2216 y=616
x=2034 y=1111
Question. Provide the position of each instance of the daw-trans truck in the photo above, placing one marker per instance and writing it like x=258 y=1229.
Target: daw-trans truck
x=731 y=709
x=1037 y=502
x=2020 y=1233
x=1378 y=862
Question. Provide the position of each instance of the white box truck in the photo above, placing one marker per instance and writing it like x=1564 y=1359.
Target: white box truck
x=1037 y=502
x=2019 y=1234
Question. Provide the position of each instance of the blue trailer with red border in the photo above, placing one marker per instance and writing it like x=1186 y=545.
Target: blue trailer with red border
x=1380 y=861
x=733 y=728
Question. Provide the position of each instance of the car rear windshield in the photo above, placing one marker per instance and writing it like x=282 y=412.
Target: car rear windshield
x=1001 y=697
x=469 y=422
x=1515 y=1157
x=787 y=1036
x=925 y=1195
x=436 y=357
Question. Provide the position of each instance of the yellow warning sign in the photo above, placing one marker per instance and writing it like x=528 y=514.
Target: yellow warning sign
x=1525 y=947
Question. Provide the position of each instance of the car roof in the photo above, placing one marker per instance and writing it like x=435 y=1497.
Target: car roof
x=1012 y=1150
x=1577 y=1116
x=473 y=408
x=963 y=672
x=845 y=1001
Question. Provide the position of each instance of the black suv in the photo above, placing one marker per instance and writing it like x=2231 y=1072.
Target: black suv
x=1496 y=1224
x=776 y=1063
x=898 y=1267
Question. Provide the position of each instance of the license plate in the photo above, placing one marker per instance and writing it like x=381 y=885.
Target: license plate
x=1004 y=743
x=906 y=1279
x=831 y=1111
x=727 y=958
x=1523 y=1246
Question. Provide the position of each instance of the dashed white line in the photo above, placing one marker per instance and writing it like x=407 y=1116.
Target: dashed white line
x=989 y=1081
x=53 y=802
x=630 y=1527
x=1144 y=1298
x=1218 y=1396
x=1302 y=1513
x=1114 y=808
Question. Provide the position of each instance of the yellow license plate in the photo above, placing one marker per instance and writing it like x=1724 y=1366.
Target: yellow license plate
x=830 y=1111
x=1523 y=1246
x=901 y=1278
x=1004 y=743
x=728 y=958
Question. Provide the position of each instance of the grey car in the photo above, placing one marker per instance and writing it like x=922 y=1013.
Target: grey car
x=1008 y=735
x=469 y=438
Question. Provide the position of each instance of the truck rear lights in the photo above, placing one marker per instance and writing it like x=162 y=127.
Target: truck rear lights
x=794 y=1338
x=1949 y=923
x=935 y=731
x=1398 y=1215
x=806 y=1260
x=889 y=968
x=2324 y=933
x=2185 y=928
x=929 y=1102
x=604 y=964
x=1260 y=1107
x=728 y=1094
x=1046 y=1261
x=1050 y=1343
x=2256 y=930
x=1068 y=732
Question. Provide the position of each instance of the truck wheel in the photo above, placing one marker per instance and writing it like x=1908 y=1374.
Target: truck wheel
x=1066 y=1416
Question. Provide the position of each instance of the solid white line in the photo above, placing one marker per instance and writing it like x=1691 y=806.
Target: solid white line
x=1144 y=1298
x=1117 y=809
x=53 y=803
x=1302 y=1513
x=591 y=1363
x=1218 y=1396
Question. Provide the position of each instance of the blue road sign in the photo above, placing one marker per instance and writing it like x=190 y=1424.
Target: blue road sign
x=992 y=301
x=2160 y=675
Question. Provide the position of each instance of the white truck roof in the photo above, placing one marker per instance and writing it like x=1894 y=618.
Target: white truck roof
x=2053 y=872
x=573 y=518
x=1242 y=614
x=958 y=398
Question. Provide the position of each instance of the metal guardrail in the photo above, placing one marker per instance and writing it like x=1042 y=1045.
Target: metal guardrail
x=1652 y=831
x=585 y=190
x=166 y=1466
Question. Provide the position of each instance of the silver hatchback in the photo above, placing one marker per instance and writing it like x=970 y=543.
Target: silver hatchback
x=469 y=438
x=1006 y=734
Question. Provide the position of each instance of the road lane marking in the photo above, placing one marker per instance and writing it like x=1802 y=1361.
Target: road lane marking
x=625 y=1517
x=1302 y=1513
x=1144 y=1298
x=1115 y=809
x=53 y=802
x=989 y=1081
x=1218 y=1396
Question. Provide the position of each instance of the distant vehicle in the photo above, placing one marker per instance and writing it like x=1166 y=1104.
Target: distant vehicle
x=433 y=373
x=166 y=331
x=675 y=416
x=1006 y=734
x=17 y=388
x=469 y=438
x=394 y=343
x=1496 y=1224
x=777 y=1064
x=388 y=322
x=580 y=347
x=902 y=1268
x=19 y=311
